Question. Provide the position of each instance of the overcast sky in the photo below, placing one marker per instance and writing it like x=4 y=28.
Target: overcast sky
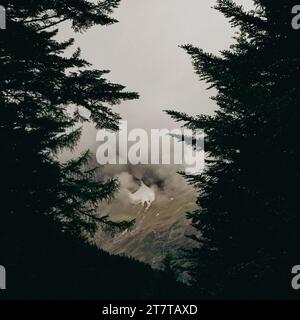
x=142 y=53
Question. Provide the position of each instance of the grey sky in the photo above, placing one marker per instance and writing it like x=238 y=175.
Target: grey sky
x=142 y=53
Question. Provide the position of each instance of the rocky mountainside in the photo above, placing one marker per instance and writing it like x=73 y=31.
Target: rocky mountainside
x=161 y=225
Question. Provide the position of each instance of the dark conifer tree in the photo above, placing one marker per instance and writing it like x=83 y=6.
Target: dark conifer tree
x=168 y=267
x=44 y=95
x=249 y=218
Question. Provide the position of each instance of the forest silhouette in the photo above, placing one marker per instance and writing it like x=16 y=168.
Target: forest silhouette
x=247 y=224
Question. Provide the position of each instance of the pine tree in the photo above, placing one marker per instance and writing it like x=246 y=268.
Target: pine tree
x=169 y=268
x=44 y=95
x=248 y=221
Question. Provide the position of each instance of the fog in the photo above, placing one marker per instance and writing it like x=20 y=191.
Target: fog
x=142 y=51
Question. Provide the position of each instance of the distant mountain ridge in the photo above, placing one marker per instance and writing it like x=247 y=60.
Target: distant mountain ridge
x=161 y=225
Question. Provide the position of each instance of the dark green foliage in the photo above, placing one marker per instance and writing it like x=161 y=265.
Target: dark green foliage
x=169 y=268
x=48 y=264
x=249 y=219
x=44 y=95
x=82 y=13
x=48 y=207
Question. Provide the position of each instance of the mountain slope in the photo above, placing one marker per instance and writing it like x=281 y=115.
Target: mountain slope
x=161 y=225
